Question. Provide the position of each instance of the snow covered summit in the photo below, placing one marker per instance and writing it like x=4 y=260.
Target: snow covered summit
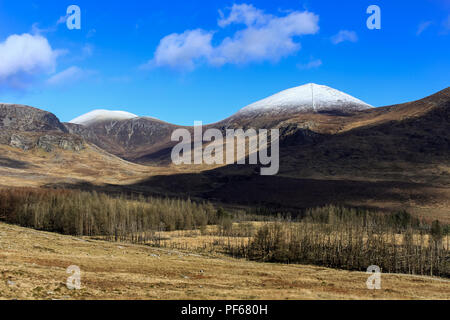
x=307 y=98
x=102 y=115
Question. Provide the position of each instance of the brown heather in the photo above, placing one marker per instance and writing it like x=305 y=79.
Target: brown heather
x=331 y=236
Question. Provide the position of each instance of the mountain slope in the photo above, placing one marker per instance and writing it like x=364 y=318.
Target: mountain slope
x=407 y=142
x=27 y=127
x=132 y=139
x=391 y=158
x=37 y=149
x=25 y=118
x=147 y=140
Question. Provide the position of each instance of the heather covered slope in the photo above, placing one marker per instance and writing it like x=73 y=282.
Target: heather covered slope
x=131 y=139
x=398 y=142
x=38 y=167
x=393 y=158
x=37 y=149
x=390 y=158
x=148 y=140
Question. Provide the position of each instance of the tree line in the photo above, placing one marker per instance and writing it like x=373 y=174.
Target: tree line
x=330 y=236
x=352 y=239
x=83 y=213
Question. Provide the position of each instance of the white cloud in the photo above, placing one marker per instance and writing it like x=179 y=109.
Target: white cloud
x=23 y=57
x=243 y=13
x=345 y=35
x=423 y=26
x=68 y=76
x=265 y=37
x=183 y=50
x=270 y=41
x=310 y=65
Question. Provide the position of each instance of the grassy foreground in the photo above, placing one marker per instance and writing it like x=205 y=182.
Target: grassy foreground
x=33 y=266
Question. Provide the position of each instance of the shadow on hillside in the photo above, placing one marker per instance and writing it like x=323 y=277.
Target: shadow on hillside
x=392 y=152
x=13 y=164
x=272 y=192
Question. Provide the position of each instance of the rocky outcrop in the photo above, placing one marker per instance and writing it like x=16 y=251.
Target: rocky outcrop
x=66 y=142
x=86 y=133
x=23 y=118
x=48 y=142
x=27 y=128
x=22 y=141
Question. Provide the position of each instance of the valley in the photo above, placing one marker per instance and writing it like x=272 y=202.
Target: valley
x=393 y=162
x=214 y=150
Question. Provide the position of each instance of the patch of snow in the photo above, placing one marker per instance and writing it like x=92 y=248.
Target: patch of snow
x=310 y=97
x=102 y=115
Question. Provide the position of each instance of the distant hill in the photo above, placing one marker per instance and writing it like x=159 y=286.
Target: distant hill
x=147 y=140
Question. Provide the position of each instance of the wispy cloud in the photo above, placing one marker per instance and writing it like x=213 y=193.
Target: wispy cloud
x=37 y=30
x=313 y=64
x=344 y=35
x=264 y=37
x=423 y=26
x=69 y=76
x=62 y=19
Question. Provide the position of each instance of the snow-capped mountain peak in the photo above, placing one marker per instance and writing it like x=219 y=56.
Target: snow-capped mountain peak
x=307 y=98
x=102 y=115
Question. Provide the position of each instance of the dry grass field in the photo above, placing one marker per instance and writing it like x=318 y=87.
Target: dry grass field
x=33 y=266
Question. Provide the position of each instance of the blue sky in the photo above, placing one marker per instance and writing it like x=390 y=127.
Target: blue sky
x=182 y=61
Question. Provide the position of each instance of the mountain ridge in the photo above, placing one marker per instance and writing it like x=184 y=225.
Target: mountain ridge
x=143 y=139
x=390 y=158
